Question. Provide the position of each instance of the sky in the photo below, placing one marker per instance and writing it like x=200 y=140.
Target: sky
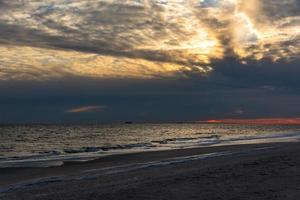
x=148 y=60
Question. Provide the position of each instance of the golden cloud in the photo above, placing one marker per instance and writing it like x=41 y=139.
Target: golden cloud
x=85 y=109
x=141 y=39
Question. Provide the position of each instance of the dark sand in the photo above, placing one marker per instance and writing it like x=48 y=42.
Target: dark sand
x=251 y=172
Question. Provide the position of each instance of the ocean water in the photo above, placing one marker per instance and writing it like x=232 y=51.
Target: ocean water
x=51 y=145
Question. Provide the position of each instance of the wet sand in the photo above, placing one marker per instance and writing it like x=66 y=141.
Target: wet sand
x=261 y=171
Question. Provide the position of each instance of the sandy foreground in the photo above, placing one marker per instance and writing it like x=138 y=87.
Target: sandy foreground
x=261 y=171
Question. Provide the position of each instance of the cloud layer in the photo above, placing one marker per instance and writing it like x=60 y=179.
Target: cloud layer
x=41 y=40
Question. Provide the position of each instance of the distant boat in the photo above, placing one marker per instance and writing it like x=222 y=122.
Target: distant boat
x=129 y=122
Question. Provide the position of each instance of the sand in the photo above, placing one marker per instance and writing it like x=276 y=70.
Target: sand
x=262 y=171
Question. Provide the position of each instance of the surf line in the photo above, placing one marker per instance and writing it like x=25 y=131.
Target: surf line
x=95 y=173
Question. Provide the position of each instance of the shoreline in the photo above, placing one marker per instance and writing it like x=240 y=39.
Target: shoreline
x=127 y=165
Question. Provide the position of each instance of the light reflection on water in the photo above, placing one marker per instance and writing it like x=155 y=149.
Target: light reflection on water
x=46 y=140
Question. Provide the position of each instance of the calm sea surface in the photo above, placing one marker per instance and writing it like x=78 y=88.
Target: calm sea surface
x=24 y=142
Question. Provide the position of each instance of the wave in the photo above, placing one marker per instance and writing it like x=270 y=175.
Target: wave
x=81 y=154
x=108 y=148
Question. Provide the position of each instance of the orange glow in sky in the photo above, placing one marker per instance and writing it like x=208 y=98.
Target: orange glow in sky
x=262 y=121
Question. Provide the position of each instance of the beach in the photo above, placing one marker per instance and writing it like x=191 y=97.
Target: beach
x=252 y=171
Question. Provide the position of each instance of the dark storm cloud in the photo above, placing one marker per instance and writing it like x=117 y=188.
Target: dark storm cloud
x=252 y=88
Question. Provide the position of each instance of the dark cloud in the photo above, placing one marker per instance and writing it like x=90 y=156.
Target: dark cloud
x=276 y=9
x=4 y=5
x=255 y=89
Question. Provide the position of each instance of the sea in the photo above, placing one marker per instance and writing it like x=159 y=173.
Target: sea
x=52 y=145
